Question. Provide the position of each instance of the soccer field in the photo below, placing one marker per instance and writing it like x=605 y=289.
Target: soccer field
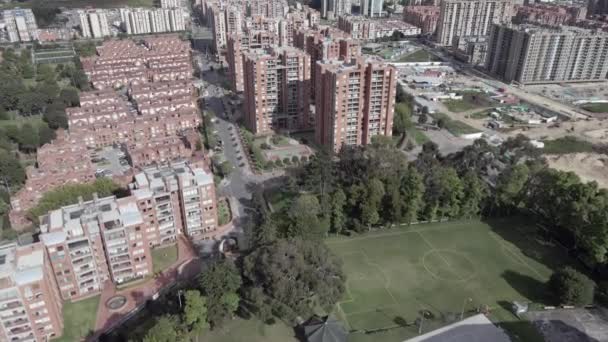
x=393 y=275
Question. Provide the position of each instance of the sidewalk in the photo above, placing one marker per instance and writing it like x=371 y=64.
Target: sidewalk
x=139 y=294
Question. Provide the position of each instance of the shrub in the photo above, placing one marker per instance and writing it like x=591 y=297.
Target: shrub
x=265 y=146
x=571 y=287
x=286 y=161
x=279 y=163
x=303 y=159
x=295 y=159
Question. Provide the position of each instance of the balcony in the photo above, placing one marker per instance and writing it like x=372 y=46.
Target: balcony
x=11 y=305
x=20 y=330
x=13 y=315
x=16 y=323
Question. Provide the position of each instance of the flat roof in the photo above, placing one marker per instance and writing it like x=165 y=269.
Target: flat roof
x=477 y=328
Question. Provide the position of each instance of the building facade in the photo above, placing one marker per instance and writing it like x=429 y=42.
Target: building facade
x=355 y=101
x=531 y=54
x=466 y=18
x=20 y=25
x=30 y=306
x=424 y=17
x=371 y=8
x=331 y=9
x=94 y=24
x=277 y=90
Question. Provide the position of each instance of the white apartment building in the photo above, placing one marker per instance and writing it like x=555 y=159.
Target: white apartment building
x=331 y=9
x=470 y=18
x=20 y=25
x=170 y=3
x=371 y=8
x=143 y=20
x=94 y=24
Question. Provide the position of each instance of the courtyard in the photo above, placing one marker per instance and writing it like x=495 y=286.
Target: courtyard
x=441 y=270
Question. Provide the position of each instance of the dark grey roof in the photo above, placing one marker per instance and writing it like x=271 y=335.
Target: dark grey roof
x=324 y=329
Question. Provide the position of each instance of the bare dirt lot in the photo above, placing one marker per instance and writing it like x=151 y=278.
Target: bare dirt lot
x=588 y=166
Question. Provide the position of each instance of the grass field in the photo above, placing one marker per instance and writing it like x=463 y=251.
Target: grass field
x=254 y=330
x=393 y=275
x=419 y=137
x=455 y=127
x=163 y=257
x=567 y=145
x=469 y=101
x=79 y=319
x=419 y=56
x=596 y=107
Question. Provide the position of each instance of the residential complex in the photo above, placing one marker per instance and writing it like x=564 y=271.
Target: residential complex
x=366 y=29
x=276 y=90
x=30 y=306
x=242 y=43
x=94 y=24
x=19 y=25
x=424 y=17
x=466 y=18
x=331 y=9
x=545 y=14
x=371 y=8
x=178 y=198
x=355 y=101
x=531 y=54
x=157 y=20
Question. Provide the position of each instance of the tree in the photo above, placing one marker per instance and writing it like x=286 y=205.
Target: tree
x=195 y=312
x=444 y=191
x=69 y=97
x=412 y=191
x=423 y=118
x=218 y=282
x=294 y=277
x=338 y=219
x=28 y=138
x=370 y=206
x=475 y=192
x=304 y=218
x=45 y=73
x=403 y=118
x=45 y=15
x=11 y=169
x=571 y=287
x=45 y=134
x=55 y=115
x=510 y=184
x=166 y=329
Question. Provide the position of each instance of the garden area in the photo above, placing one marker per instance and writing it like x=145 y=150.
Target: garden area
x=276 y=151
x=442 y=269
x=223 y=212
x=470 y=100
x=79 y=319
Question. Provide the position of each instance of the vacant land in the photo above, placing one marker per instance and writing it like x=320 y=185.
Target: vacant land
x=163 y=257
x=419 y=56
x=470 y=100
x=567 y=145
x=588 y=166
x=80 y=3
x=456 y=127
x=79 y=319
x=596 y=107
x=393 y=275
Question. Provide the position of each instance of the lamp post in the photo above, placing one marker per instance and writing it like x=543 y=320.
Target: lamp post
x=464 y=304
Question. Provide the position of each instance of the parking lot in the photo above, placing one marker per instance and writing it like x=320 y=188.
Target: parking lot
x=110 y=161
x=572 y=325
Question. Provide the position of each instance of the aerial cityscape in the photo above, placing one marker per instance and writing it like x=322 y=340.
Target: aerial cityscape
x=304 y=170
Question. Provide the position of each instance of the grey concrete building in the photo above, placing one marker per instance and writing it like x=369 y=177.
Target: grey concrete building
x=531 y=54
x=466 y=18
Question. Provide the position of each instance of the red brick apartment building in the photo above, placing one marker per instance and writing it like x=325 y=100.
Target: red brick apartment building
x=277 y=90
x=127 y=62
x=425 y=17
x=354 y=101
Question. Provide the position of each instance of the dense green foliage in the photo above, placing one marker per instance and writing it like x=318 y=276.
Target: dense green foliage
x=219 y=284
x=291 y=278
x=566 y=145
x=69 y=194
x=571 y=287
